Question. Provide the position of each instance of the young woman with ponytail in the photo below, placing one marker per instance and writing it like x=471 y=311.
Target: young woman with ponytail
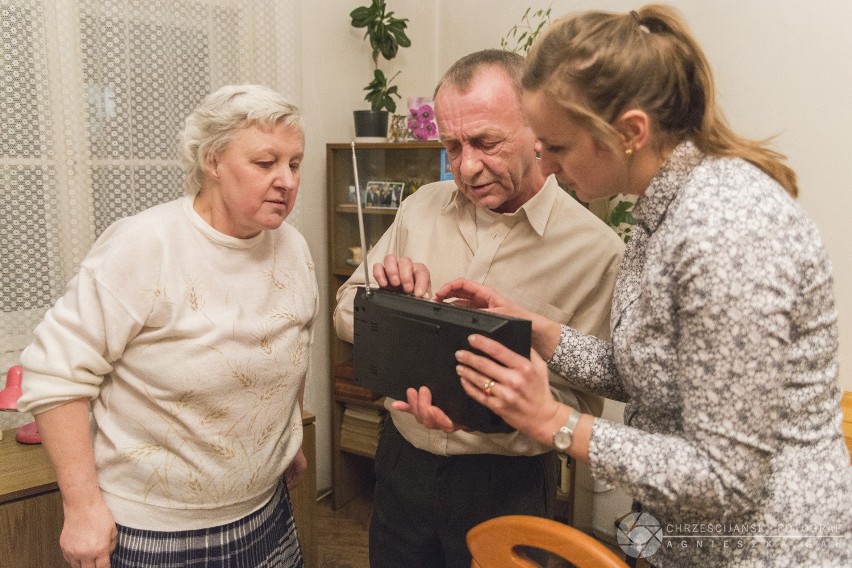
x=724 y=336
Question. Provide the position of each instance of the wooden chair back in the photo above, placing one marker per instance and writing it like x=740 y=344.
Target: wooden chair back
x=496 y=543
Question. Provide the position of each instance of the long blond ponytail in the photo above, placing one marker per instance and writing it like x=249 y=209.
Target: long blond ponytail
x=596 y=65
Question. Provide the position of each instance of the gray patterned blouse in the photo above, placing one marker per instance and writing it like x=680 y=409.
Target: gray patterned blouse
x=724 y=346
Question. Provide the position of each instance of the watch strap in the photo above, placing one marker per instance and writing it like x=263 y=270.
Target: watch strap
x=571 y=423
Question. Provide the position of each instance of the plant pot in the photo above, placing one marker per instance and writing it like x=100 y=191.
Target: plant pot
x=371 y=124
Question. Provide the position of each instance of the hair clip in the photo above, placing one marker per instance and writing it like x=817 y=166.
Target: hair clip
x=642 y=27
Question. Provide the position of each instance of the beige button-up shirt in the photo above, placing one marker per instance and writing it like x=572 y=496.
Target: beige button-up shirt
x=552 y=256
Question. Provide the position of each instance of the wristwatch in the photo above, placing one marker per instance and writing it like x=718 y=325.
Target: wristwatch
x=562 y=437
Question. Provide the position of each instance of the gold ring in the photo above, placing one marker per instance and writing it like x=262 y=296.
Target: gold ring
x=489 y=385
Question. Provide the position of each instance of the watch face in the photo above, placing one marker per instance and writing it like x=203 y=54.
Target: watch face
x=562 y=440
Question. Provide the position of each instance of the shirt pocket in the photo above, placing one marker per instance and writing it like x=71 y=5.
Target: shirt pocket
x=535 y=303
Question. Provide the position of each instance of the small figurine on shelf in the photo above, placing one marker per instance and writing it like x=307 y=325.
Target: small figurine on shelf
x=356 y=256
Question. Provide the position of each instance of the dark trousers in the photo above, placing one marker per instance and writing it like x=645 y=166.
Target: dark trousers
x=424 y=504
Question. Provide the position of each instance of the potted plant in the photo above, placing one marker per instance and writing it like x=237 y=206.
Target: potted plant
x=386 y=34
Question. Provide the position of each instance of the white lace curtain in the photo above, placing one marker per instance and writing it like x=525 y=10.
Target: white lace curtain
x=93 y=94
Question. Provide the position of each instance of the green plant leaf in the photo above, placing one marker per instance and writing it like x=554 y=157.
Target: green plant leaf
x=523 y=35
x=386 y=34
x=621 y=214
x=361 y=16
x=388 y=47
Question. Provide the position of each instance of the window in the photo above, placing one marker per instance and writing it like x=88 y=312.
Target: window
x=93 y=95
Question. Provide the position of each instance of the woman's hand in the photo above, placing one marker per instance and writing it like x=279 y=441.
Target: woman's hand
x=545 y=332
x=88 y=535
x=295 y=472
x=474 y=295
x=514 y=387
x=403 y=273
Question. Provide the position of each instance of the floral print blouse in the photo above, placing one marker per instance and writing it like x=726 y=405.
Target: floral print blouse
x=724 y=347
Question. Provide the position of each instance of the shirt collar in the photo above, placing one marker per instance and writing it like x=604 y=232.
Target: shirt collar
x=536 y=210
x=651 y=207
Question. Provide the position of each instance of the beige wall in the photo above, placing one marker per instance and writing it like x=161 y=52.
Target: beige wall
x=336 y=66
x=782 y=68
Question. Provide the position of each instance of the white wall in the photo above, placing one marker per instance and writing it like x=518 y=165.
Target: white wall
x=782 y=68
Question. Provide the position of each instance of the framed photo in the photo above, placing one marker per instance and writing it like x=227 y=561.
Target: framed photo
x=398 y=128
x=384 y=193
x=446 y=169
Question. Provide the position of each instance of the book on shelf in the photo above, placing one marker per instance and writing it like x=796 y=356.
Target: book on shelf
x=368 y=425
x=360 y=429
x=372 y=415
x=344 y=384
x=344 y=372
x=358 y=443
x=350 y=390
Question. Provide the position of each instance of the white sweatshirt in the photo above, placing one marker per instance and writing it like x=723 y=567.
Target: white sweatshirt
x=192 y=346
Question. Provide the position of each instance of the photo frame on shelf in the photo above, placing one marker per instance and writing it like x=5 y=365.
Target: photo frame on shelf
x=385 y=194
x=398 y=129
x=446 y=169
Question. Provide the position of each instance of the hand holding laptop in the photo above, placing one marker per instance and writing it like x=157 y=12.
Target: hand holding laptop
x=420 y=406
x=464 y=292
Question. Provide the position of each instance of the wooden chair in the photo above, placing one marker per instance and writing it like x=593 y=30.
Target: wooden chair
x=495 y=542
x=846 y=405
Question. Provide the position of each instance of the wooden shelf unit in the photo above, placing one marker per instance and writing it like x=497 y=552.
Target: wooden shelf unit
x=415 y=164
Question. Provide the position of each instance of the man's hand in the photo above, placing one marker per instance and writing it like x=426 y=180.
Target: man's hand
x=403 y=273
x=420 y=406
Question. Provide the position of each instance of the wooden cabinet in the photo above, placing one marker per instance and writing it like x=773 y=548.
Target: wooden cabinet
x=30 y=507
x=412 y=164
x=304 y=497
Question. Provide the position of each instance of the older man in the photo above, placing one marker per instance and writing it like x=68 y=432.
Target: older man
x=503 y=224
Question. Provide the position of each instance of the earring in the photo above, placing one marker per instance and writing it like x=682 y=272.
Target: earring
x=629 y=151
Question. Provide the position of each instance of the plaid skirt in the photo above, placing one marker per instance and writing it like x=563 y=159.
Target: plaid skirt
x=266 y=538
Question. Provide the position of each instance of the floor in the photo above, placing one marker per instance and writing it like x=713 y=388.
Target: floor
x=342 y=534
